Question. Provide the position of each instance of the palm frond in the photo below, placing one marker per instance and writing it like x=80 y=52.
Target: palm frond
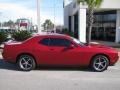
x=98 y=2
x=93 y=3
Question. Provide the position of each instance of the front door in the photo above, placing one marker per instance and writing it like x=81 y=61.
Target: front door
x=61 y=54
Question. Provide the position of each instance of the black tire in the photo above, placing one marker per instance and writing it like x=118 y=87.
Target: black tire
x=99 y=63
x=26 y=63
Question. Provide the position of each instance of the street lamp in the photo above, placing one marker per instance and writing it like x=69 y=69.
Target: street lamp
x=54 y=18
x=38 y=16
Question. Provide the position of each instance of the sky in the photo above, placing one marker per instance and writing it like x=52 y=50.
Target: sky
x=15 y=9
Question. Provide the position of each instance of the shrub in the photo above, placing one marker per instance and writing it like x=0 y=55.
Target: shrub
x=66 y=31
x=21 y=35
x=3 y=37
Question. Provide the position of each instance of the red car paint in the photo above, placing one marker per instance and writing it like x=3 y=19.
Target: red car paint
x=57 y=55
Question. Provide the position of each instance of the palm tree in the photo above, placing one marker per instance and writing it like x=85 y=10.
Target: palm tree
x=48 y=25
x=92 y=5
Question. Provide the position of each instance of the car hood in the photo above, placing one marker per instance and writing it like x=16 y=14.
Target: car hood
x=99 y=46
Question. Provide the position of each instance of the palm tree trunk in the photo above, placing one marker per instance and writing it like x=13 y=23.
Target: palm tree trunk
x=89 y=23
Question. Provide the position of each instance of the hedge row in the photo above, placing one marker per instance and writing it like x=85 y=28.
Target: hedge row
x=18 y=36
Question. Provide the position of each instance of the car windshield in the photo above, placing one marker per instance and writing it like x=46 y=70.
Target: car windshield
x=78 y=42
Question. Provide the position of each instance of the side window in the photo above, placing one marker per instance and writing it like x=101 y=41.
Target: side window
x=59 y=42
x=44 y=41
x=67 y=42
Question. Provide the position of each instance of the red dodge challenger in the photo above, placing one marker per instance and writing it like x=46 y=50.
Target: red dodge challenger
x=57 y=49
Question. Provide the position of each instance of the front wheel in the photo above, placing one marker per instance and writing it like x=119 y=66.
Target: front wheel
x=100 y=63
x=26 y=62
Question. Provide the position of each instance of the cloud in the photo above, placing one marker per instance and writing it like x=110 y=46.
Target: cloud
x=15 y=11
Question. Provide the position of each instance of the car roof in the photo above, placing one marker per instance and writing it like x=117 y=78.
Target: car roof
x=47 y=35
x=52 y=34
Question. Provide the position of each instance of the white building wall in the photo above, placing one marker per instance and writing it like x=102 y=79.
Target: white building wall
x=118 y=27
x=66 y=17
x=67 y=12
x=72 y=23
x=110 y=4
x=107 y=4
x=82 y=25
x=67 y=2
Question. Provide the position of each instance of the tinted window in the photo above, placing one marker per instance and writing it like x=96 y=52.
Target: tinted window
x=59 y=42
x=45 y=41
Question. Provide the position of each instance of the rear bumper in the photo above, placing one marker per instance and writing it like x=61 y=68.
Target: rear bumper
x=7 y=59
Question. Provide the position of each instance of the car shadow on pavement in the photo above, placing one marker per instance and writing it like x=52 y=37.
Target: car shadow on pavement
x=8 y=66
x=61 y=68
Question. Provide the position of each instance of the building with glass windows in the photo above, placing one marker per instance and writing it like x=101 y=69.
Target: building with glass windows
x=106 y=24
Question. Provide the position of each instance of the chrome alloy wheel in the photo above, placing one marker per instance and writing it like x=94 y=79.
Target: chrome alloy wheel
x=26 y=62
x=100 y=63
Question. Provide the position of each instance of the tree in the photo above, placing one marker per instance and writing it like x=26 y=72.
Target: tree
x=21 y=35
x=48 y=25
x=3 y=37
x=9 y=23
x=92 y=5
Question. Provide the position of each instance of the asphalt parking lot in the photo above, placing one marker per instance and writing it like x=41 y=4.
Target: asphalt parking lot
x=58 y=78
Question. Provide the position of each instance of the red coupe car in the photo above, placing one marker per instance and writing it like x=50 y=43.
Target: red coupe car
x=57 y=49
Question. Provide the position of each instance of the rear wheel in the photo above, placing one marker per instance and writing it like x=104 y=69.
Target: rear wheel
x=26 y=62
x=100 y=63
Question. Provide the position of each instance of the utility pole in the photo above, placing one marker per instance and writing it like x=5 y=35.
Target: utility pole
x=38 y=17
x=54 y=18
